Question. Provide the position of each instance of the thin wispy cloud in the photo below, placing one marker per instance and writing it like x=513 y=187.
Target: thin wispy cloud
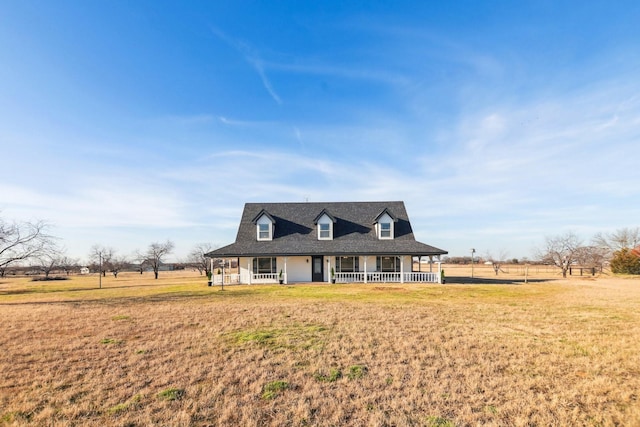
x=253 y=58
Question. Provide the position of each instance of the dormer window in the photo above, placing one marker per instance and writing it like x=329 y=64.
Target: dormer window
x=264 y=232
x=385 y=230
x=325 y=222
x=265 y=225
x=324 y=230
x=385 y=223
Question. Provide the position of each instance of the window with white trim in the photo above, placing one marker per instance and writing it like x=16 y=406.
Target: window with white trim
x=264 y=231
x=264 y=265
x=347 y=264
x=385 y=230
x=388 y=264
x=324 y=231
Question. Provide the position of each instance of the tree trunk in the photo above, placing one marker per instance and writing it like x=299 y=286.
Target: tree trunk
x=155 y=272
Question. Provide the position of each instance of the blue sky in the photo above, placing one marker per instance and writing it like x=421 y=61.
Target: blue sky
x=498 y=123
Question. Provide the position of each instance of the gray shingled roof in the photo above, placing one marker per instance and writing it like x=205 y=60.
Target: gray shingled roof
x=353 y=232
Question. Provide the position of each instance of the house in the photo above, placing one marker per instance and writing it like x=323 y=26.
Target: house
x=364 y=242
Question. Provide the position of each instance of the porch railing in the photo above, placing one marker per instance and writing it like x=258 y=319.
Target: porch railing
x=381 y=277
x=344 y=277
x=229 y=279
x=265 y=278
x=422 y=277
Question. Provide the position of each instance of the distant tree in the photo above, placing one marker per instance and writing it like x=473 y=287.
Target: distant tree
x=22 y=241
x=68 y=264
x=592 y=256
x=49 y=259
x=497 y=261
x=117 y=264
x=198 y=260
x=625 y=261
x=561 y=251
x=140 y=259
x=101 y=257
x=155 y=254
x=623 y=238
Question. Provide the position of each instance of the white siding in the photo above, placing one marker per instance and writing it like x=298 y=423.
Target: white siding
x=298 y=269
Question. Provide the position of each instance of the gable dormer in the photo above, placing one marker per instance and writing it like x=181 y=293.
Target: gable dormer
x=324 y=224
x=265 y=226
x=385 y=225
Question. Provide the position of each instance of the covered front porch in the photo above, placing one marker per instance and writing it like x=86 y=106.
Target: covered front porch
x=328 y=269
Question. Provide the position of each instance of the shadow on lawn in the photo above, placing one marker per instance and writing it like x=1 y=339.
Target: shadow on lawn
x=465 y=280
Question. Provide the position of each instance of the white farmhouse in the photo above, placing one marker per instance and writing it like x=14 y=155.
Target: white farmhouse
x=368 y=242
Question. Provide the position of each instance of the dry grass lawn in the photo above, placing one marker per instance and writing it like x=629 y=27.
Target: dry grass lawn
x=176 y=352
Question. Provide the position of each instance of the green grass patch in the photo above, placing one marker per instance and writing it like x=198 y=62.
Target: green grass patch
x=171 y=394
x=107 y=341
x=14 y=416
x=333 y=376
x=292 y=337
x=435 y=421
x=356 y=372
x=274 y=389
x=122 y=407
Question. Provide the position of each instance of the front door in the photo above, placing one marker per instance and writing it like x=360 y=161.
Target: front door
x=317 y=269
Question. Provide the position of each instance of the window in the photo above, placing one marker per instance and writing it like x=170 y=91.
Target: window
x=324 y=231
x=264 y=266
x=388 y=264
x=264 y=231
x=347 y=264
x=385 y=230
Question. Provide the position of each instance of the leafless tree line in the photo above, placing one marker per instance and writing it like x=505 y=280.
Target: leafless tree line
x=30 y=246
x=567 y=249
x=31 y=242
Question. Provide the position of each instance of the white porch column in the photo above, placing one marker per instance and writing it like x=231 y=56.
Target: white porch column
x=401 y=269
x=286 y=279
x=430 y=263
x=365 y=269
x=328 y=269
x=249 y=269
x=440 y=272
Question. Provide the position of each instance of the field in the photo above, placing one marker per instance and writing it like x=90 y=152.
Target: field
x=176 y=352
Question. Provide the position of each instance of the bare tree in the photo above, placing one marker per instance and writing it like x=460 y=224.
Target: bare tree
x=117 y=264
x=198 y=260
x=68 y=264
x=623 y=238
x=592 y=256
x=496 y=262
x=101 y=258
x=22 y=241
x=141 y=260
x=49 y=259
x=561 y=251
x=156 y=252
